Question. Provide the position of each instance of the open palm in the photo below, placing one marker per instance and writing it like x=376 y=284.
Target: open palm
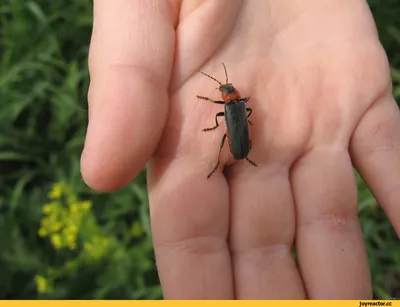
x=321 y=98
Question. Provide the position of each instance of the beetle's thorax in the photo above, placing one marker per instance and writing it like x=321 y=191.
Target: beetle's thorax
x=228 y=92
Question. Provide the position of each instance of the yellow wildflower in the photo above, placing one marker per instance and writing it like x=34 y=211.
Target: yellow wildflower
x=56 y=191
x=74 y=208
x=56 y=226
x=70 y=238
x=72 y=229
x=86 y=205
x=44 y=222
x=42 y=232
x=71 y=198
x=98 y=247
x=56 y=241
x=47 y=208
x=136 y=229
x=71 y=241
x=42 y=284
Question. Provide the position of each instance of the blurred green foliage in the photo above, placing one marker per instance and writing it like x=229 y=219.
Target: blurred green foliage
x=60 y=239
x=47 y=249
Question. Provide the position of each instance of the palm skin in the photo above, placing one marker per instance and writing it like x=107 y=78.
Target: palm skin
x=321 y=98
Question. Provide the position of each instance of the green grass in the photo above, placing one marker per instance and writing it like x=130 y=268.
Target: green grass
x=43 y=115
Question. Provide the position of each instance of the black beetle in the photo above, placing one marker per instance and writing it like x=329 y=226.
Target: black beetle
x=236 y=118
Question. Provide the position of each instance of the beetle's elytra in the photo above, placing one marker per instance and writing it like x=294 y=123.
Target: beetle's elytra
x=236 y=117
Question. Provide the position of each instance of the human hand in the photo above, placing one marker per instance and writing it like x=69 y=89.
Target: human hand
x=321 y=96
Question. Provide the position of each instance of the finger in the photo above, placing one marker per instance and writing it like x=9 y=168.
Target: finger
x=190 y=220
x=375 y=149
x=262 y=234
x=205 y=16
x=130 y=62
x=329 y=240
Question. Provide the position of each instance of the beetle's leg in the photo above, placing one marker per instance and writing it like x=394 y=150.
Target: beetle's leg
x=219 y=154
x=250 y=110
x=246 y=99
x=216 y=122
x=209 y=99
x=251 y=162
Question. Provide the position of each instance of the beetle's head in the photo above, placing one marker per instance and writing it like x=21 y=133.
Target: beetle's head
x=228 y=92
x=227 y=88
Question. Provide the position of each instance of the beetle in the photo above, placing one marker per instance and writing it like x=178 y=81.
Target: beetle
x=236 y=118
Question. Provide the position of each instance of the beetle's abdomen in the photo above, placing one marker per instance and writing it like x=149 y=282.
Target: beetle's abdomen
x=237 y=129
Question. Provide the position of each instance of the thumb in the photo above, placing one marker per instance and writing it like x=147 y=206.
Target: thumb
x=130 y=62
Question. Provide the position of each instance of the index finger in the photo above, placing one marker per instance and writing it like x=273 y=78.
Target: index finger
x=130 y=61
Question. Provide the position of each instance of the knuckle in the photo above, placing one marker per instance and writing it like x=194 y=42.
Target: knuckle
x=195 y=245
x=263 y=254
x=337 y=221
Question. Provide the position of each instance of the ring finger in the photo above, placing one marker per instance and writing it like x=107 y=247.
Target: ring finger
x=329 y=240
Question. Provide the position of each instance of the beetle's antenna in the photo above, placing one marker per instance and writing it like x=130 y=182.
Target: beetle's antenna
x=211 y=77
x=226 y=74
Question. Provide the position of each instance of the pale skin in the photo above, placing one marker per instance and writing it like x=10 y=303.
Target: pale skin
x=321 y=97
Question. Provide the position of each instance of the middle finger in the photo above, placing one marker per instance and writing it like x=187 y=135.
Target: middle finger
x=262 y=233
